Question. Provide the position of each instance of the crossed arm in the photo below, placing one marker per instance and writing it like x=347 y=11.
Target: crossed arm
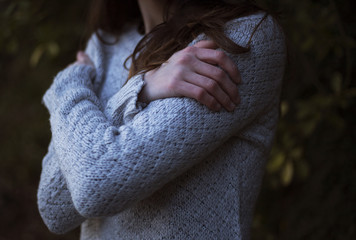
x=101 y=161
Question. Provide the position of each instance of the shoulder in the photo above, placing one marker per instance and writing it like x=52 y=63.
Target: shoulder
x=255 y=29
x=104 y=41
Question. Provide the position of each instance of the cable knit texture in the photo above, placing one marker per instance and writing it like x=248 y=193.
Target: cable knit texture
x=170 y=170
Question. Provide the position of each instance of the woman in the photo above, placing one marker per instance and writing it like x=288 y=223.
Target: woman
x=165 y=150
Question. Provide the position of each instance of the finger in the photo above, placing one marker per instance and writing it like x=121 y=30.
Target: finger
x=206 y=44
x=80 y=55
x=84 y=58
x=213 y=88
x=213 y=73
x=189 y=90
x=219 y=58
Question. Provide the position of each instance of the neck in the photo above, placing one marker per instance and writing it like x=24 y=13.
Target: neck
x=152 y=13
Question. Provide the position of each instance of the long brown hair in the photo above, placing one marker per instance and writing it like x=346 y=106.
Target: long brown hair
x=190 y=18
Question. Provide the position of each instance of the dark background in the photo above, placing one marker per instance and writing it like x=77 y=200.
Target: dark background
x=309 y=190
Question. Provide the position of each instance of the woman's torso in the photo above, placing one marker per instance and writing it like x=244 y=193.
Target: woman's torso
x=214 y=199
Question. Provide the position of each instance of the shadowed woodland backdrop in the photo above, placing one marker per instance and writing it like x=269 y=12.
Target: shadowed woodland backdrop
x=309 y=189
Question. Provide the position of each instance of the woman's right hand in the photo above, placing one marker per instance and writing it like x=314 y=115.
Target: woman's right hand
x=200 y=72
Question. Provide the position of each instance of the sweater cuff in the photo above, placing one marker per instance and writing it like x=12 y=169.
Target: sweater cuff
x=124 y=105
x=76 y=75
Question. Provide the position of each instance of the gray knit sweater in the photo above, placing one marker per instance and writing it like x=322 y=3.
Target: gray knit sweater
x=170 y=170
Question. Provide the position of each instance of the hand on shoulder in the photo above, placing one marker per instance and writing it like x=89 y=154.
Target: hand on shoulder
x=200 y=72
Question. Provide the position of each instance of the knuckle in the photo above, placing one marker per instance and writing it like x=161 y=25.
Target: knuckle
x=226 y=100
x=211 y=102
x=175 y=89
x=184 y=59
x=173 y=83
x=189 y=49
x=220 y=56
x=220 y=74
x=200 y=94
x=212 y=86
x=177 y=72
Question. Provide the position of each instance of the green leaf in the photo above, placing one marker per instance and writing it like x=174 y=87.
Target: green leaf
x=275 y=163
x=36 y=56
x=287 y=173
x=284 y=108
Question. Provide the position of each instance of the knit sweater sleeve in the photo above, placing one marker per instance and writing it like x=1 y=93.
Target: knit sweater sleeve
x=54 y=200
x=111 y=158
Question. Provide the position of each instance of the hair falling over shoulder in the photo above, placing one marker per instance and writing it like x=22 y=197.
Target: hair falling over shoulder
x=189 y=19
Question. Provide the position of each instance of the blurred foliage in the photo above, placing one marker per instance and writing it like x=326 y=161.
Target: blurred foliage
x=309 y=190
x=37 y=39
